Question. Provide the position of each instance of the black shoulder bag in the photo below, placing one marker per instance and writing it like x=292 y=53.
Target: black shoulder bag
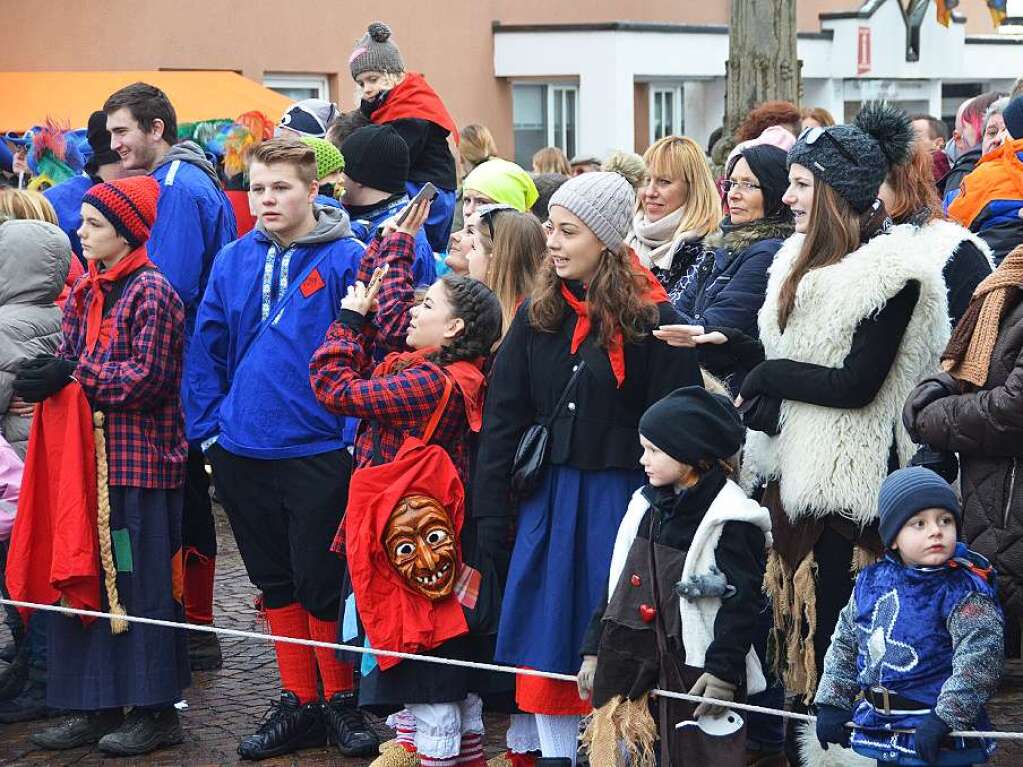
x=531 y=454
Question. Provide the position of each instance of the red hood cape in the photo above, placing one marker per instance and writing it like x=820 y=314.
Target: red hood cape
x=413 y=98
x=54 y=553
x=393 y=615
x=467 y=376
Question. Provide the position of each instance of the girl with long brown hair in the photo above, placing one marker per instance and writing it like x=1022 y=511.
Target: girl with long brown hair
x=910 y=196
x=507 y=248
x=855 y=314
x=579 y=356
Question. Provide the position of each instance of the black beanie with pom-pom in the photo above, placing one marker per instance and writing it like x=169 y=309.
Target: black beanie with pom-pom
x=854 y=159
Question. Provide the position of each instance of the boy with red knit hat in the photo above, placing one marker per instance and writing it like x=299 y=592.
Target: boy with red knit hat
x=122 y=348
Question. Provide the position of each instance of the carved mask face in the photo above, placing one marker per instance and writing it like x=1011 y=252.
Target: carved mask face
x=420 y=542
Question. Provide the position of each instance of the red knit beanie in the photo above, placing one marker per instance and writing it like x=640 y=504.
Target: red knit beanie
x=129 y=204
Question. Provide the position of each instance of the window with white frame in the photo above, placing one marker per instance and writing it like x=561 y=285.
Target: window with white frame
x=544 y=114
x=666 y=113
x=298 y=87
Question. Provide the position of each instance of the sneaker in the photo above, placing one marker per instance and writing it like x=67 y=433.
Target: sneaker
x=78 y=729
x=288 y=726
x=144 y=730
x=26 y=706
x=347 y=727
x=204 y=651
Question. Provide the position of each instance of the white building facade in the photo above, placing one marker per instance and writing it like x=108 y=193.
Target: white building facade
x=591 y=88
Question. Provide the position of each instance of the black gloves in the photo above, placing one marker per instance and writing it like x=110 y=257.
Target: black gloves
x=761 y=413
x=831 y=728
x=43 y=377
x=486 y=545
x=929 y=390
x=929 y=734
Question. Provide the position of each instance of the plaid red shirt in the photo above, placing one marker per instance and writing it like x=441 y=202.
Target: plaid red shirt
x=396 y=295
x=136 y=380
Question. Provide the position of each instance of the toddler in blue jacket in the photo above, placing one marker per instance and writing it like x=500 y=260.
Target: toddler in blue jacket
x=919 y=649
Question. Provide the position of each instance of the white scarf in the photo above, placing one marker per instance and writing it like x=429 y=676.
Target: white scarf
x=655 y=241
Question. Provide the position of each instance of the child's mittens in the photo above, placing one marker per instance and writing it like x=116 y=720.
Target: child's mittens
x=584 y=679
x=709 y=686
x=929 y=734
x=711 y=584
x=831 y=721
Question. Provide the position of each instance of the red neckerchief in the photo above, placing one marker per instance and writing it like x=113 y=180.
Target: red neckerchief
x=653 y=291
x=414 y=98
x=137 y=259
x=467 y=376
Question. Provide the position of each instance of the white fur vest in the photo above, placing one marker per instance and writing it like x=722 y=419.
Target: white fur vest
x=729 y=505
x=830 y=460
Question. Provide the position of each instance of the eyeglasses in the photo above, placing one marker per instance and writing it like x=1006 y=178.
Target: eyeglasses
x=741 y=186
x=810 y=136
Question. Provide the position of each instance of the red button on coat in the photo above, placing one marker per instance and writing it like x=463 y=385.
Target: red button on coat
x=634 y=580
x=647 y=613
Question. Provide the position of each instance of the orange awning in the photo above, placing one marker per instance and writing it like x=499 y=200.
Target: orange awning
x=28 y=98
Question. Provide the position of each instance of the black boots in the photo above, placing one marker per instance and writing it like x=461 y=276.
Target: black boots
x=289 y=726
x=78 y=729
x=347 y=727
x=204 y=651
x=144 y=730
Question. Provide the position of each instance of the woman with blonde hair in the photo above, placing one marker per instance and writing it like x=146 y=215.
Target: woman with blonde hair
x=25 y=204
x=506 y=252
x=676 y=209
x=477 y=145
x=550 y=159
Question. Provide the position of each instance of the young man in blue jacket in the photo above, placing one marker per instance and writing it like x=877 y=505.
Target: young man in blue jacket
x=376 y=169
x=194 y=220
x=279 y=458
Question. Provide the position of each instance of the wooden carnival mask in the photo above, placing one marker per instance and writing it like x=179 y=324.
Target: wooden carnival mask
x=420 y=543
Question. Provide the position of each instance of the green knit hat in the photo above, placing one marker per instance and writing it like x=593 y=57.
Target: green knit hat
x=328 y=157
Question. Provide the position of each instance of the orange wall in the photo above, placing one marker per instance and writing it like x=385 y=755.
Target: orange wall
x=449 y=40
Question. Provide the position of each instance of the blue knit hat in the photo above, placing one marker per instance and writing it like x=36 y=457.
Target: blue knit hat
x=1013 y=116
x=907 y=492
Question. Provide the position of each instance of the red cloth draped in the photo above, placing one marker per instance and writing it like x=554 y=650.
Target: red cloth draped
x=54 y=552
x=653 y=291
x=413 y=98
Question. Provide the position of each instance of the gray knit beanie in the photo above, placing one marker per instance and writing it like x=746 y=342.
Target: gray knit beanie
x=854 y=159
x=375 y=52
x=601 y=200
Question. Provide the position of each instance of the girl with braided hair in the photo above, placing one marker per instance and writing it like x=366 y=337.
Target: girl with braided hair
x=433 y=393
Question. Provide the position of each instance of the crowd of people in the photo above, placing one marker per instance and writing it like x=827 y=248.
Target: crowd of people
x=740 y=420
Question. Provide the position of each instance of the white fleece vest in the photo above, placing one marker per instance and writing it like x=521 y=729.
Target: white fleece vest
x=730 y=505
x=830 y=460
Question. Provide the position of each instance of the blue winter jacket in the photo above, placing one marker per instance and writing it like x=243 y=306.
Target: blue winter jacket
x=66 y=199
x=364 y=227
x=194 y=220
x=729 y=283
x=266 y=310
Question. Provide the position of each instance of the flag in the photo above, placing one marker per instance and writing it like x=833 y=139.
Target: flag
x=944 y=9
x=998 y=12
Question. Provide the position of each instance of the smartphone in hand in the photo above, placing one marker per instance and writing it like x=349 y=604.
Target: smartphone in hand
x=428 y=192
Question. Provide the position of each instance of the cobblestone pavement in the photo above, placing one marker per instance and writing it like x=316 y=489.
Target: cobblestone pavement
x=225 y=705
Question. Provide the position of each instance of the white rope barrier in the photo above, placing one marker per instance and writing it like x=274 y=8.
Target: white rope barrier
x=447 y=662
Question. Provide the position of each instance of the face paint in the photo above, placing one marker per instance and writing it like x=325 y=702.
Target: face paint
x=420 y=543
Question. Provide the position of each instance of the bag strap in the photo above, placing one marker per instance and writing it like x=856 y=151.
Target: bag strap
x=564 y=393
x=431 y=425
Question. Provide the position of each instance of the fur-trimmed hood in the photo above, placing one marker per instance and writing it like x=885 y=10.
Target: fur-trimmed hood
x=736 y=238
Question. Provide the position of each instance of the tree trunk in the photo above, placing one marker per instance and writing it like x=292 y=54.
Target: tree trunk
x=762 y=61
